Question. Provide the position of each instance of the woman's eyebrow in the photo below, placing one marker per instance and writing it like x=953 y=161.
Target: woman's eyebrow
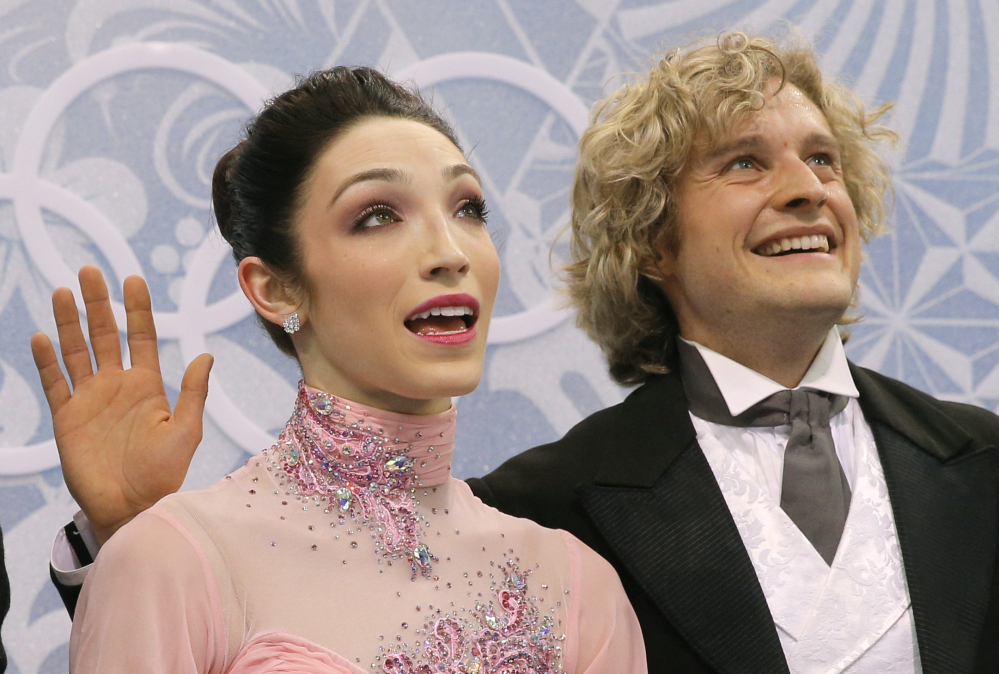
x=391 y=175
x=456 y=170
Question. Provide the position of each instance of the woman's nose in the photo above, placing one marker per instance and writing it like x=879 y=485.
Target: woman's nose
x=444 y=255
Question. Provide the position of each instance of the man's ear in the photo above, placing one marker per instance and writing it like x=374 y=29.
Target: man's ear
x=661 y=268
x=268 y=294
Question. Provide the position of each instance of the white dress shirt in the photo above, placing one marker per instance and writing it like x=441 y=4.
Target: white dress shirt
x=760 y=450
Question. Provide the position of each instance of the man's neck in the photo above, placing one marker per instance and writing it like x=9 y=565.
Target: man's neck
x=783 y=357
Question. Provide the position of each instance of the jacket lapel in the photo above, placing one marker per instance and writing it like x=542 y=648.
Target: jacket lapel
x=942 y=487
x=659 y=507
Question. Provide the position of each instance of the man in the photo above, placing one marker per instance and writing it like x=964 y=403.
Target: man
x=769 y=506
x=723 y=199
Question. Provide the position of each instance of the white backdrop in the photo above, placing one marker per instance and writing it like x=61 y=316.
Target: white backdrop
x=113 y=113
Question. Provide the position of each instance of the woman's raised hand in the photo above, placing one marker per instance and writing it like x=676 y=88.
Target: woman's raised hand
x=121 y=447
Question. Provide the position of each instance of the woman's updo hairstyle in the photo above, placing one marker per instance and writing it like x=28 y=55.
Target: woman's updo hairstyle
x=258 y=186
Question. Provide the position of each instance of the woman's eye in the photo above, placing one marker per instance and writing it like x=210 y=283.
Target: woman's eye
x=474 y=208
x=822 y=160
x=376 y=217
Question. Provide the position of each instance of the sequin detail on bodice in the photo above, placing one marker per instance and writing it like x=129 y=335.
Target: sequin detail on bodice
x=508 y=636
x=366 y=470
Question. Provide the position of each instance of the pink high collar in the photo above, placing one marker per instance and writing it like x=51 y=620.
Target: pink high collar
x=365 y=464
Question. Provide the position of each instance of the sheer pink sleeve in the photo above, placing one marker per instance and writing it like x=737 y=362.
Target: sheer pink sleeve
x=149 y=605
x=603 y=631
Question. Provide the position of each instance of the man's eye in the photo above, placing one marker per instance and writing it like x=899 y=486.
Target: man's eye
x=743 y=163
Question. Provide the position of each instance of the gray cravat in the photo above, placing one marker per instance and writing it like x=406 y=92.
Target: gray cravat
x=814 y=490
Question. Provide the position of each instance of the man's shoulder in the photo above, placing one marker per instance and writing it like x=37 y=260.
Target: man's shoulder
x=895 y=400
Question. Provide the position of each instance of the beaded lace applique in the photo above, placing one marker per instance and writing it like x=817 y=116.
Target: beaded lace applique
x=511 y=638
x=355 y=472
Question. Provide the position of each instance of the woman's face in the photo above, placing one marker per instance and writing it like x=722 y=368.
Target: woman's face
x=400 y=268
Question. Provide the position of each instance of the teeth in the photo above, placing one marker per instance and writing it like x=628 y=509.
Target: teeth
x=443 y=311
x=818 y=242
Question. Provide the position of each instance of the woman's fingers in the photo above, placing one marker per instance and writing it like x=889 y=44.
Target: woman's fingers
x=75 y=353
x=142 y=345
x=53 y=382
x=104 y=337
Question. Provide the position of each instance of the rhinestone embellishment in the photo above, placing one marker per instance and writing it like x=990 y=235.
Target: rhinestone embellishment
x=359 y=473
x=323 y=405
x=508 y=636
x=343 y=498
x=398 y=463
x=423 y=557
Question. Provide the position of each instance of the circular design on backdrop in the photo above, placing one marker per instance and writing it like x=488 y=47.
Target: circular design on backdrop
x=195 y=318
x=30 y=194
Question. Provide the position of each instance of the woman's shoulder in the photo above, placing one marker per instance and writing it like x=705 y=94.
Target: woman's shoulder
x=553 y=548
x=153 y=545
x=222 y=496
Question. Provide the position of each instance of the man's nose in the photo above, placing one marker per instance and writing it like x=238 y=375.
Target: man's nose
x=798 y=187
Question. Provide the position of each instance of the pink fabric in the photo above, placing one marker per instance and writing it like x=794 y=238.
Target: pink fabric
x=270 y=570
x=149 y=606
x=278 y=653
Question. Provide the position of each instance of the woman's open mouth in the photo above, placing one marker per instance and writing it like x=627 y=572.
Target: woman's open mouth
x=448 y=319
x=442 y=321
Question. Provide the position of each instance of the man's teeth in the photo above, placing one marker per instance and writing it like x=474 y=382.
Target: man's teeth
x=818 y=242
x=444 y=311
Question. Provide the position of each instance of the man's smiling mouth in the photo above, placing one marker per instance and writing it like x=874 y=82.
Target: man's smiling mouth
x=816 y=243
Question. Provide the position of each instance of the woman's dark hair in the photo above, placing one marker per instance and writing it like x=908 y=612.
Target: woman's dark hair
x=258 y=185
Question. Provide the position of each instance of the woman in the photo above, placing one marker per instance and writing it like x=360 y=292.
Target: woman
x=359 y=230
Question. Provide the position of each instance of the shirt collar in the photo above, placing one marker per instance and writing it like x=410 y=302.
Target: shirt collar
x=742 y=387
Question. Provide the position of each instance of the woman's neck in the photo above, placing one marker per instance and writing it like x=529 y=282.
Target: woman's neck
x=378 y=399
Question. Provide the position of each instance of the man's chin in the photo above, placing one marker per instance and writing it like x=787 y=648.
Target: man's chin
x=810 y=313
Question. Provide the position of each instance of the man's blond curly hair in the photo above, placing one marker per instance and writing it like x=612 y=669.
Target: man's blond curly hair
x=634 y=154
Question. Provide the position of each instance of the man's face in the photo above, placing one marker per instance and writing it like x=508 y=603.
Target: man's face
x=767 y=228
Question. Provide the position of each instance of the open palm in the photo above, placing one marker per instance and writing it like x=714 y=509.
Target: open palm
x=121 y=446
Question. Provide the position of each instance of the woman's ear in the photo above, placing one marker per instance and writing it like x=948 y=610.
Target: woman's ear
x=268 y=294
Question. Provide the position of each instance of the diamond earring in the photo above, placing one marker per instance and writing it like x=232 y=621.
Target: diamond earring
x=291 y=323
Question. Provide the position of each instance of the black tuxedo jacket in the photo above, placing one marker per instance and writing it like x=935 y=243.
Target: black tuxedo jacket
x=633 y=484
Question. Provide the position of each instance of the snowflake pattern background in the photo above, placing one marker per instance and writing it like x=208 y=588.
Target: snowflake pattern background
x=113 y=112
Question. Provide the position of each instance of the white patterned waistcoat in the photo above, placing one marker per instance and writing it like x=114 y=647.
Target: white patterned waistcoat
x=852 y=617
